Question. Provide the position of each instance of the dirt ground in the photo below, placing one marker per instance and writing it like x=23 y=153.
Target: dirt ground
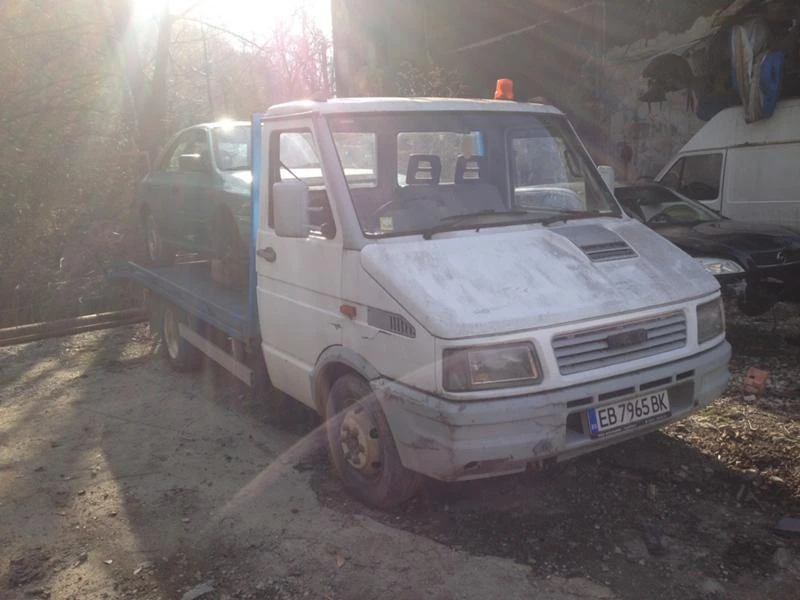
x=121 y=479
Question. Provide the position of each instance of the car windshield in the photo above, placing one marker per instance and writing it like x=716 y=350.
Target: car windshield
x=656 y=205
x=461 y=170
x=232 y=147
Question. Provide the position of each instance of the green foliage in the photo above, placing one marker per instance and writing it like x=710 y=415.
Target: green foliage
x=86 y=90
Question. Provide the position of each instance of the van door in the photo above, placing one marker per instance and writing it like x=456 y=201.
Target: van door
x=698 y=176
x=298 y=279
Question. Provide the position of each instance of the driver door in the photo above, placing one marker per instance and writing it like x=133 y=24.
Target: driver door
x=298 y=279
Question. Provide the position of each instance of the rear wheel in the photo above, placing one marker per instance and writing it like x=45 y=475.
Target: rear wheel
x=158 y=251
x=362 y=447
x=228 y=251
x=226 y=242
x=180 y=354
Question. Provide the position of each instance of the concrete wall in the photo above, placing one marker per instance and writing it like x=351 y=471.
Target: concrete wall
x=657 y=131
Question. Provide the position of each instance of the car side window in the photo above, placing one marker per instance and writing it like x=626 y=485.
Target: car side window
x=696 y=176
x=297 y=158
x=194 y=141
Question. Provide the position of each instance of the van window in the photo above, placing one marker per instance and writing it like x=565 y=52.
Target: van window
x=359 y=156
x=296 y=158
x=447 y=145
x=545 y=173
x=459 y=170
x=696 y=176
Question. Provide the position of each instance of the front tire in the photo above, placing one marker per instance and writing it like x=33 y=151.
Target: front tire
x=180 y=354
x=753 y=305
x=159 y=253
x=362 y=447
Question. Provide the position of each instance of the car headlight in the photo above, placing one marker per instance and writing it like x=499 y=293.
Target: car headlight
x=720 y=266
x=490 y=367
x=710 y=320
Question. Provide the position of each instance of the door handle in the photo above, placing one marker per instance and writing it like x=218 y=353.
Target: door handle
x=268 y=254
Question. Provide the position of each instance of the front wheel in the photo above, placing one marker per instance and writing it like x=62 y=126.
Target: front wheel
x=159 y=253
x=753 y=305
x=362 y=447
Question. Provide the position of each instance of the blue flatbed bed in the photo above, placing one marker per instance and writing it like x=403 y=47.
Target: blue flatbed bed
x=190 y=287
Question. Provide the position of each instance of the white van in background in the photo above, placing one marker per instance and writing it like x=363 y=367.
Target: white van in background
x=746 y=171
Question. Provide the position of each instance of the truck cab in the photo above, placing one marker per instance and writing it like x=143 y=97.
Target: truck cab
x=453 y=287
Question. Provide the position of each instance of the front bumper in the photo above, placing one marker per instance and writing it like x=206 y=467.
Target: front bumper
x=453 y=441
x=776 y=282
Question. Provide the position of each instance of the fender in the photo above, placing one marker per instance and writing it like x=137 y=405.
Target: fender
x=332 y=359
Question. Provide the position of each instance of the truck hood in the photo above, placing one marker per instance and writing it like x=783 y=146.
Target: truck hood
x=499 y=281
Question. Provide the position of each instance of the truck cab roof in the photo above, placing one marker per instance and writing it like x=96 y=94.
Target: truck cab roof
x=376 y=105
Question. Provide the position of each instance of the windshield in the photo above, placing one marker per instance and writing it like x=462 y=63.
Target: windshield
x=459 y=170
x=232 y=147
x=656 y=205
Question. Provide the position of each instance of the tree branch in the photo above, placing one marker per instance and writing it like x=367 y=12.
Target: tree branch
x=223 y=30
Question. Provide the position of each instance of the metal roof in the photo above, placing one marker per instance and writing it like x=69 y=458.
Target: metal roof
x=375 y=105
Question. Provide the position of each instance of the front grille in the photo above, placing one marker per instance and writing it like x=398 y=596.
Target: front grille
x=590 y=349
x=610 y=251
x=775 y=258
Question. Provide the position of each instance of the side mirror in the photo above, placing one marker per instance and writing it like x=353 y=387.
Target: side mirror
x=607 y=173
x=290 y=201
x=193 y=162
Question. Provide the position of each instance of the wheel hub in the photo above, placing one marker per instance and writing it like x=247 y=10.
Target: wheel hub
x=360 y=441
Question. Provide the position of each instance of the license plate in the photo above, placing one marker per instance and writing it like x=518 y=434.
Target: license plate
x=626 y=413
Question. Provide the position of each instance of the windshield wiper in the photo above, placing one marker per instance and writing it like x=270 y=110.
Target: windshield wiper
x=568 y=215
x=453 y=222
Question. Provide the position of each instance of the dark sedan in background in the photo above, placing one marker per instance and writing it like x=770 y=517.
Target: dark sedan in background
x=760 y=264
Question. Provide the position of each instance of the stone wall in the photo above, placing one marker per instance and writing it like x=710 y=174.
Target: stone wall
x=655 y=132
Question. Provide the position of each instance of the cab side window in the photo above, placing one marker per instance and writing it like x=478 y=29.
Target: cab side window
x=297 y=158
x=697 y=176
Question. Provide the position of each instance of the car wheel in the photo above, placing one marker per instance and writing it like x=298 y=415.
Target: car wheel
x=753 y=307
x=180 y=354
x=362 y=447
x=159 y=253
x=226 y=243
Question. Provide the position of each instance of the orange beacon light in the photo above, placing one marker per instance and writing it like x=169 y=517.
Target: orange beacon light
x=505 y=90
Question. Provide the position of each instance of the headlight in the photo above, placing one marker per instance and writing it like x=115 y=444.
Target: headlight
x=710 y=320
x=490 y=367
x=720 y=266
